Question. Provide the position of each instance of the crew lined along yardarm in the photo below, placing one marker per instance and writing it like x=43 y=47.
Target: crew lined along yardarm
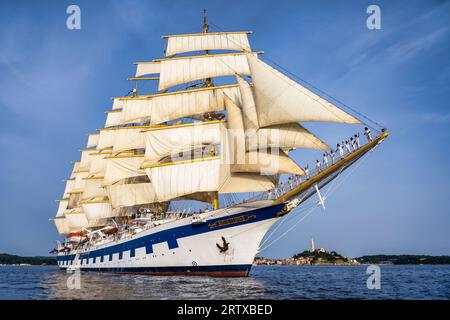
x=131 y=201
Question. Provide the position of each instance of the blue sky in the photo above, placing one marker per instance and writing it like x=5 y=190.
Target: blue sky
x=56 y=84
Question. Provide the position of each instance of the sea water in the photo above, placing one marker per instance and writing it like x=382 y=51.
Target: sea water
x=264 y=282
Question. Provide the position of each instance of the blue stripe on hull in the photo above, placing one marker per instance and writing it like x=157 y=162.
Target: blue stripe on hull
x=171 y=235
x=238 y=270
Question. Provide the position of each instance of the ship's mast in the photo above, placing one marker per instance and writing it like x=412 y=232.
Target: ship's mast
x=209 y=83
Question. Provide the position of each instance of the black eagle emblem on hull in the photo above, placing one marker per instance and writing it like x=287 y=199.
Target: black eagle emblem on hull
x=224 y=247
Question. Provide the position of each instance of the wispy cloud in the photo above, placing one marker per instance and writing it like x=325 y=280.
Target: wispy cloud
x=409 y=48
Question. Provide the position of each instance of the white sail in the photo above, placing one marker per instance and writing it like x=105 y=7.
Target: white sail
x=70 y=184
x=98 y=164
x=80 y=181
x=106 y=139
x=246 y=182
x=76 y=167
x=122 y=167
x=113 y=118
x=92 y=140
x=76 y=219
x=281 y=100
x=86 y=158
x=62 y=225
x=267 y=163
x=186 y=69
x=163 y=107
x=177 y=179
x=290 y=135
x=93 y=188
x=126 y=195
x=117 y=104
x=128 y=138
x=97 y=209
x=249 y=114
x=62 y=206
x=207 y=41
x=171 y=140
x=144 y=68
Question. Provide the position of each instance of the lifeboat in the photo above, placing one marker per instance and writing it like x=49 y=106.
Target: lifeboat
x=76 y=237
x=110 y=231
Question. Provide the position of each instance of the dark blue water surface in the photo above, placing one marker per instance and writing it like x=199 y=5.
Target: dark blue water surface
x=265 y=282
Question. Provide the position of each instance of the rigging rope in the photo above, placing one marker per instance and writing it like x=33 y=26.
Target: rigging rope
x=313 y=87
x=329 y=192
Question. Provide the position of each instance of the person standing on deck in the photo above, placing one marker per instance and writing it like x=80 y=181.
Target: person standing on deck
x=368 y=134
x=318 y=166
x=352 y=143
x=290 y=182
x=307 y=171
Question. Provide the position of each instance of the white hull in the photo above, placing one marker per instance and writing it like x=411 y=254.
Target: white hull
x=193 y=249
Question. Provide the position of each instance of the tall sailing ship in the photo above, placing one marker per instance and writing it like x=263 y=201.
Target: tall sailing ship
x=128 y=206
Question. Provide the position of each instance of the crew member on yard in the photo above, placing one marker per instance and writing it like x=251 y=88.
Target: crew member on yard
x=357 y=140
x=340 y=150
x=332 y=156
x=318 y=166
x=368 y=134
x=325 y=160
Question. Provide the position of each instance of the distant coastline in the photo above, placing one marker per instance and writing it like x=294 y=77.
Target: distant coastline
x=9 y=259
x=307 y=258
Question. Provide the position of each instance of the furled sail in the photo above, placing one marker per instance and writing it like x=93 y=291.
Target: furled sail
x=172 y=140
x=92 y=140
x=207 y=41
x=144 y=68
x=174 y=105
x=281 y=100
x=176 y=71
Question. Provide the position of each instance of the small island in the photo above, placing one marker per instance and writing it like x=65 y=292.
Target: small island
x=313 y=256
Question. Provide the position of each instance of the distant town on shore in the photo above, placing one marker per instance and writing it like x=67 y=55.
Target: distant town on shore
x=312 y=257
x=320 y=256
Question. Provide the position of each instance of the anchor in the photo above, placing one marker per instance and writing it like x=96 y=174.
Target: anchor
x=223 y=248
